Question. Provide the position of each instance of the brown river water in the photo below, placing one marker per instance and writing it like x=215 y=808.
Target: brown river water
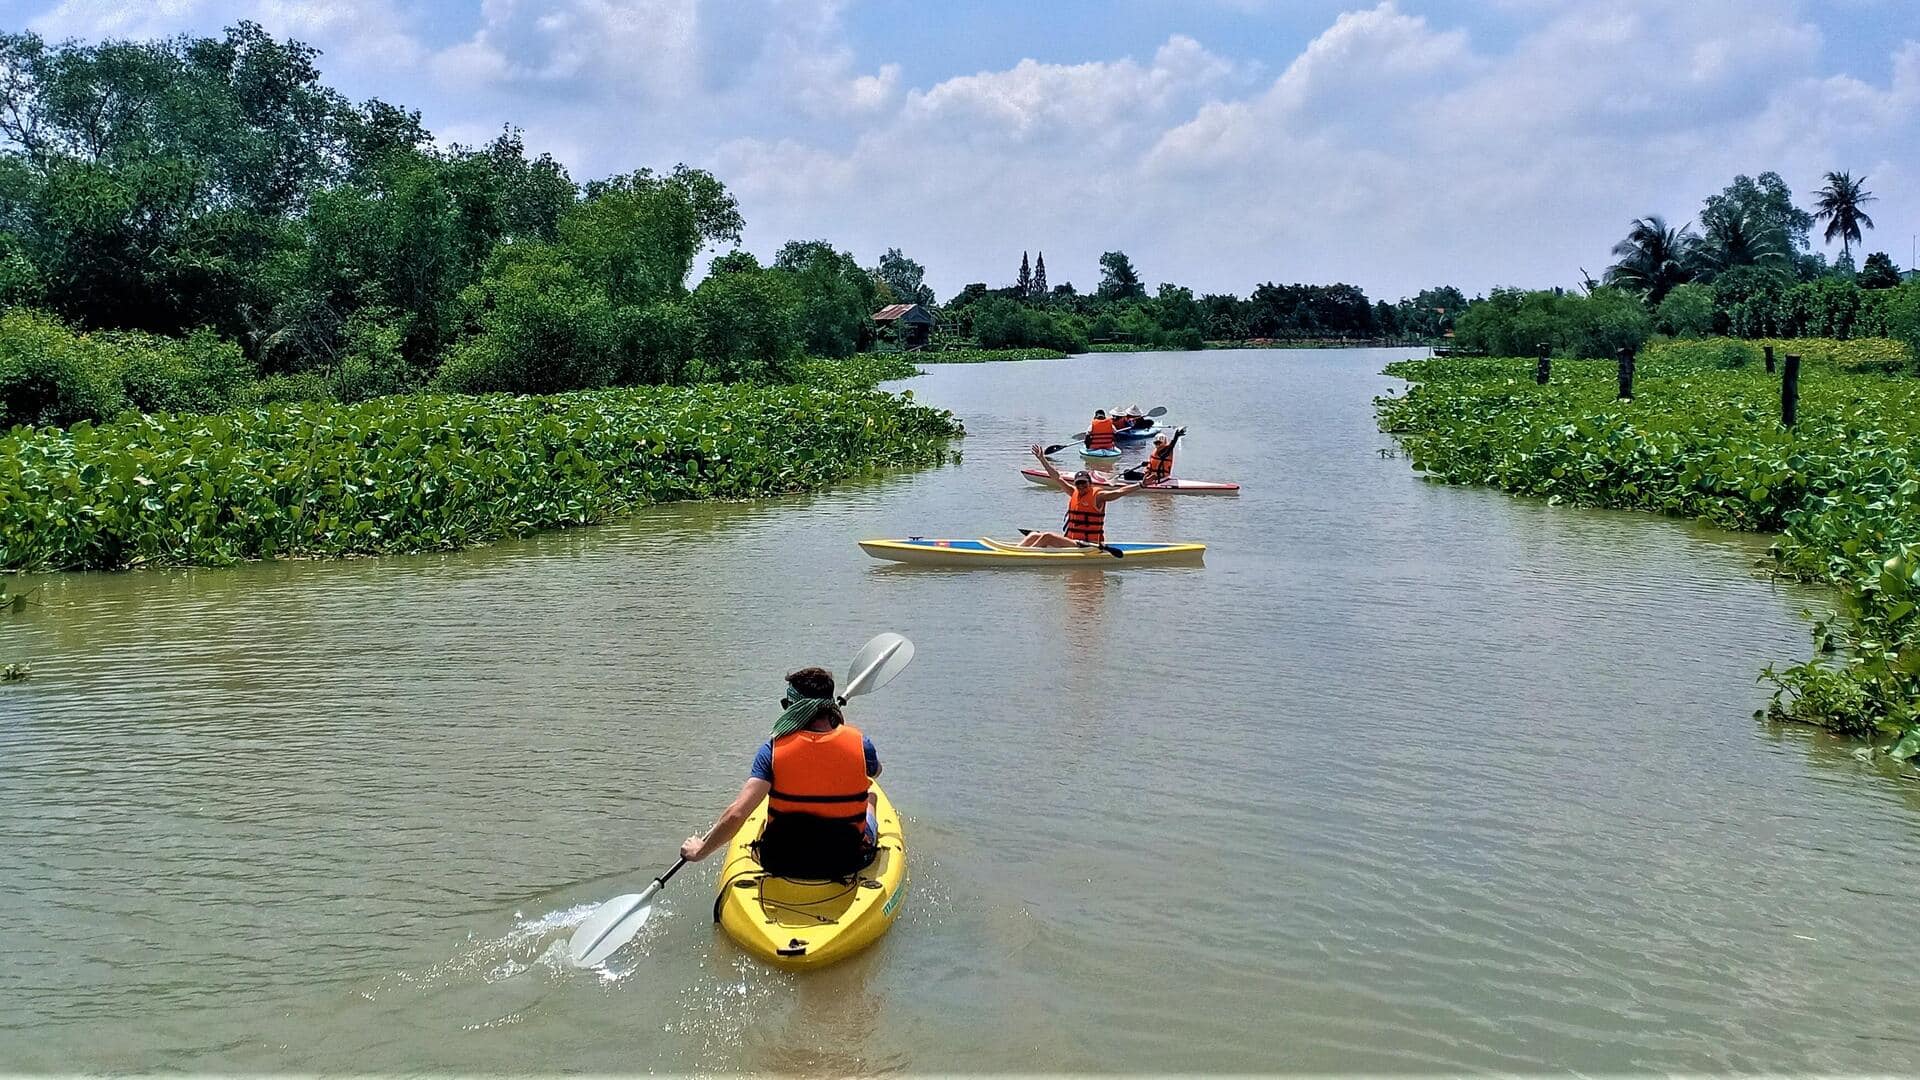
x=1406 y=778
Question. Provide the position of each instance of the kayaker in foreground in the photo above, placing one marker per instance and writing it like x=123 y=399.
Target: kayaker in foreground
x=1100 y=431
x=1086 y=508
x=1158 y=468
x=814 y=773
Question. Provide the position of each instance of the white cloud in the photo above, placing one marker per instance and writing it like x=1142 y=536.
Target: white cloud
x=359 y=33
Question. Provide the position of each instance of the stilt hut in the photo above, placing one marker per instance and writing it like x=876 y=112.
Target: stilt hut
x=912 y=324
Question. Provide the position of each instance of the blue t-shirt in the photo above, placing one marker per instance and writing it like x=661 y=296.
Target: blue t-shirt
x=763 y=760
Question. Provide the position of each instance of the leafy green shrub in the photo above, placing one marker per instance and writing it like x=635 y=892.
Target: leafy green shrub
x=373 y=361
x=308 y=386
x=862 y=371
x=1000 y=323
x=412 y=473
x=198 y=373
x=544 y=328
x=745 y=327
x=1686 y=312
x=1699 y=354
x=985 y=356
x=1902 y=313
x=50 y=375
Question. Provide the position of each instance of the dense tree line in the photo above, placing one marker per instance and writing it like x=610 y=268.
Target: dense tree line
x=1121 y=310
x=216 y=185
x=1748 y=271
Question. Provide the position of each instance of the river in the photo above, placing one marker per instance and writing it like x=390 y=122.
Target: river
x=1405 y=778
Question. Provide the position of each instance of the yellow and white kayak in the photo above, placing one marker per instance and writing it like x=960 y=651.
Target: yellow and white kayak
x=809 y=923
x=988 y=552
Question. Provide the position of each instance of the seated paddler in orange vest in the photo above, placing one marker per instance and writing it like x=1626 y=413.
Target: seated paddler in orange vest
x=1100 y=431
x=1158 y=468
x=1086 y=508
x=815 y=774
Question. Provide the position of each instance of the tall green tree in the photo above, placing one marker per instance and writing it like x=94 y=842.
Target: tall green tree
x=1839 y=205
x=1118 y=279
x=1879 y=272
x=904 y=278
x=1763 y=205
x=836 y=298
x=1039 y=289
x=1654 y=258
x=1740 y=235
x=1023 y=285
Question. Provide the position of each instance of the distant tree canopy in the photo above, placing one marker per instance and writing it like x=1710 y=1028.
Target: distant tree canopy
x=168 y=186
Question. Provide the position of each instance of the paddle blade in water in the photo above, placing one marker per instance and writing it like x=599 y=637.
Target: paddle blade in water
x=611 y=926
x=876 y=664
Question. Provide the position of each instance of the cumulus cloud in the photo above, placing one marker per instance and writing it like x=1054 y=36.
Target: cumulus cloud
x=363 y=33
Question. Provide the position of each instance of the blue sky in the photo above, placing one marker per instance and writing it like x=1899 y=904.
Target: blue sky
x=1221 y=143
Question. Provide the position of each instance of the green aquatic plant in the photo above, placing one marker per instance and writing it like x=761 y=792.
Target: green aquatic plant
x=1841 y=489
x=400 y=474
x=15 y=672
x=983 y=356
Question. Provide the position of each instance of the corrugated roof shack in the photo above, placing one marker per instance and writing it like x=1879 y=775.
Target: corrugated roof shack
x=911 y=323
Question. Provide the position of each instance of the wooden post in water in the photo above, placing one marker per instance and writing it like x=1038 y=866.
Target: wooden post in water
x=1790 y=390
x=1544 y=368
x=1768 y=349
x=1626 y=374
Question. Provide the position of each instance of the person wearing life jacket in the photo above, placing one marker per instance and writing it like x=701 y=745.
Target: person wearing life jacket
x=815 y=773
x=1100 y=431
x=1086 y=508
x=1158 y=468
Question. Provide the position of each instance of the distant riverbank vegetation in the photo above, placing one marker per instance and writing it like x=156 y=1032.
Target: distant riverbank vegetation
x=1706 y=431
x=1704 y=440
x=199 y=224
x=1747 y=271
x=1120 y=314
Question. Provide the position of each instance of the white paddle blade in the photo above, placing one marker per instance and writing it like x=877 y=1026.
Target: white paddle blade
x=611 y=926
x=877 y=663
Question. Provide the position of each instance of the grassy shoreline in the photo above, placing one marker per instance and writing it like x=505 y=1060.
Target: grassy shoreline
x=1838 y=488
x=436 y=472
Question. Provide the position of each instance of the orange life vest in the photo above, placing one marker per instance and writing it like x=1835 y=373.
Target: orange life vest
x=1160 y=464
x=1086 y=518
x=823 y=773
x=1100 y=434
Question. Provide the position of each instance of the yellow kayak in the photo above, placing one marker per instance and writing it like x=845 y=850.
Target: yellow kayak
x=989 y=552
x=806 y=923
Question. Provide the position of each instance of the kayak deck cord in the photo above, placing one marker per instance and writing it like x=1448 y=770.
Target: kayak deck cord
x=721 y=897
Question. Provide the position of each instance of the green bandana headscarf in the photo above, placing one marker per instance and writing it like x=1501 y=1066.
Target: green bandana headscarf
x=800 y=713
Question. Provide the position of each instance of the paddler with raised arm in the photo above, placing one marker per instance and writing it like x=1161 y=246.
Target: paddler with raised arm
x=1086 y=508
x=1158 y=468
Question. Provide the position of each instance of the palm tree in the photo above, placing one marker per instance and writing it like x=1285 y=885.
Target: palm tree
x=1653 y=258
x=1737 y=237
x=1838 y=204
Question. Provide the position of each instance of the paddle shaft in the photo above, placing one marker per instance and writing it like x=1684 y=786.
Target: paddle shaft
x=662 y=880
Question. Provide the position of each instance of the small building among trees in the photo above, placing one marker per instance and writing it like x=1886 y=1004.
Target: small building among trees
x=912 y=324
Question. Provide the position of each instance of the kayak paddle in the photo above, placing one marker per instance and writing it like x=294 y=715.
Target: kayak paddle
x=1156 y=411
x=614 y=923
x=1108 y=548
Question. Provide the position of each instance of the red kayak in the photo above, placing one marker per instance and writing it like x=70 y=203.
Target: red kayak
x=1174 y=486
